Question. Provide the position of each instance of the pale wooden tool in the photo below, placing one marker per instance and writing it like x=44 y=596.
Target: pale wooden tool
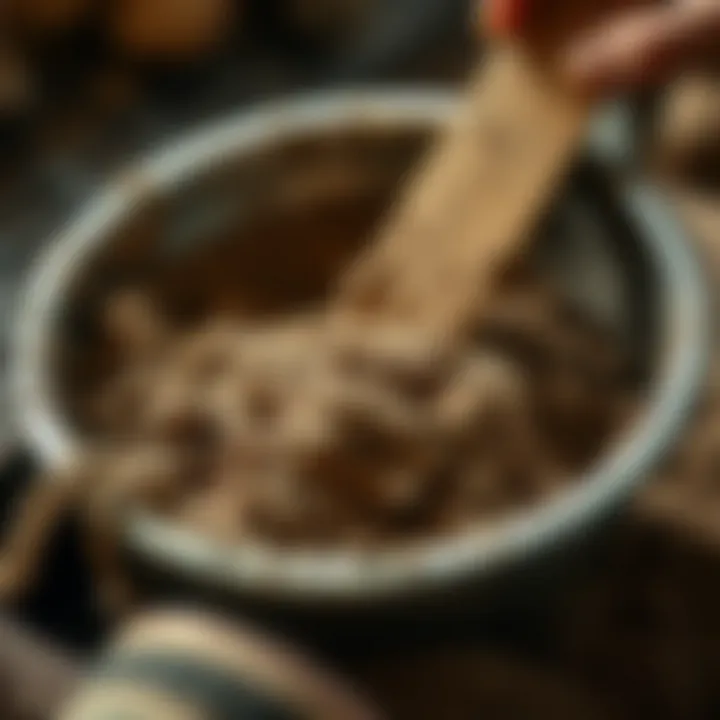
x=180 y=664
x=471 y=208
x=474 y=201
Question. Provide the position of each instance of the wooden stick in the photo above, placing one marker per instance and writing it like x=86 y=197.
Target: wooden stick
x=474 y=201
x=471 y=208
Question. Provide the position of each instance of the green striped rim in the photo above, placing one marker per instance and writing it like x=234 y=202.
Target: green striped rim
x=220 y=695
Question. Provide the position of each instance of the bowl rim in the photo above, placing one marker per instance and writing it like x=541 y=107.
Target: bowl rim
x=348 y=574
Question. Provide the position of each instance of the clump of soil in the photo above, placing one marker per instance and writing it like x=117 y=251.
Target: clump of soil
x=304 y=429
x=220 y=392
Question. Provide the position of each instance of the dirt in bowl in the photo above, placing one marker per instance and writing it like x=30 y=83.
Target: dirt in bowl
x=224 y=396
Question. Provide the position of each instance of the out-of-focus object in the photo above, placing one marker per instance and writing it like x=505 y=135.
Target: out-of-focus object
x=687 y=145
x=686 y=496
x=49 y=16
x=18 y=96
x=17 y=89
x=466 y=684
x=35 y=679
x=171 y=30
x=177 y=665
x=323 y=17
x=349 y=40
x=643 y=627
x=298 y=153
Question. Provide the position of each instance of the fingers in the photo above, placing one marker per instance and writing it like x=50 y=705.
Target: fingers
x=643 y=46
x=636 y=48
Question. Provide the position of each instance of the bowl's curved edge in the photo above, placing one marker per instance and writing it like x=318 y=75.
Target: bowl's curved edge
x=354 y=576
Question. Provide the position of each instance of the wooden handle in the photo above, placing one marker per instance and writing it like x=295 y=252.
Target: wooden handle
x=475 y=198
x=474 y=201
x=687 y=142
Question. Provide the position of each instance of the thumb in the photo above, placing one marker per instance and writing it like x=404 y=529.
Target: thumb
x=643 y=46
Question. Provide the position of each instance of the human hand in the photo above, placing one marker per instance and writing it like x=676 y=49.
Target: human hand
x=633 y=48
